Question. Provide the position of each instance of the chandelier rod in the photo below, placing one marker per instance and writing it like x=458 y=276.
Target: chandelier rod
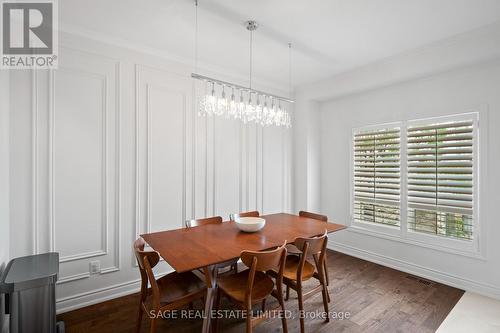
x=195 y=35
x=290 y=68
x=240 y=87
x=251 y=27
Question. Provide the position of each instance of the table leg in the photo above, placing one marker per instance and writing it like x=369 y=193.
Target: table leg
x=211 y=280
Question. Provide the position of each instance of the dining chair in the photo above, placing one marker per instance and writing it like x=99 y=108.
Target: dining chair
x=204 y=221
x=170 y=292
x=233 y=263
x=299 y=269
x=292 y=249
x=254 y=213
x=254 y=285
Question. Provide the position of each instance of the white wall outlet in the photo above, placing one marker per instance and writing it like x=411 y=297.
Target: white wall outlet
x=95 y=267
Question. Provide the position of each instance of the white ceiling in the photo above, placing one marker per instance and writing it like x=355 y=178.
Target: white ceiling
x=329 y=37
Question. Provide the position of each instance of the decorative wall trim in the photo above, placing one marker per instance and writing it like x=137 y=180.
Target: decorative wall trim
x=435 y=275
x=240 y=167
x=52 y=98
x=214 y=170
x=104 y=218
x=117 y=206
x=83 y=255
x=194 y=106
x=206 y=166
x=34 y=149
x=137 y=189
x=247 y=162
x=104 y=250
x=74 y=277
x=139 y=156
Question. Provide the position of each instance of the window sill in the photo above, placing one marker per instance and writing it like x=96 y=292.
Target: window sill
x=463 y=248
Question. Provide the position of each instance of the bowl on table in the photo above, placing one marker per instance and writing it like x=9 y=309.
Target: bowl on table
x=250 y=224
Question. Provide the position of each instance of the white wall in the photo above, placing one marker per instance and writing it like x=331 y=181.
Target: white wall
x=472 y=88
x=109 y=146
x=4 y=183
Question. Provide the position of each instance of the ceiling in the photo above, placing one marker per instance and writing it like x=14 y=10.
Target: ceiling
x=328 y=36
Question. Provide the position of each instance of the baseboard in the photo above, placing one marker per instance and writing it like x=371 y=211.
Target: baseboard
x=96 y=296
x=431 y=274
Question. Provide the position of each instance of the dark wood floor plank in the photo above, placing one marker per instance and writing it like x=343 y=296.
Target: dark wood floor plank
x=379 y=299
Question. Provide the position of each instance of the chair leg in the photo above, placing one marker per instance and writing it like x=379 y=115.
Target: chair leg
x=249 y=320
x=139 y=319
x=217 y=305
x=326 y=273
x=327 y=280
x=325 y=302
x=153 y=325
x=287 y=296
x=326 y=296
x=263 y=305
x=301 y=306
x=283 y=314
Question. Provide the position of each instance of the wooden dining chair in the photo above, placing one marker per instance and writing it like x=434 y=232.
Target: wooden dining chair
x=299 y=269
x=232 y=264
x=315 y=216
x=254 y=213
x=292 y=249
x=204 y=221
x=254 y=285
x=170 y=292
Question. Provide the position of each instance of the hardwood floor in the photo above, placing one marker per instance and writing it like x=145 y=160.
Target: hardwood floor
x=377 y=298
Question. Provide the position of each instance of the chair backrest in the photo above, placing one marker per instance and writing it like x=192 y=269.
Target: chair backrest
x=146 y=261
x=312 y=246
x=254 y=213
x=263 y=261
x=313 y=216
x=205 y=221
x=315 y=247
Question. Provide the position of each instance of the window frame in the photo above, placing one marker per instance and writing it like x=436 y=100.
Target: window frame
x=471 y=248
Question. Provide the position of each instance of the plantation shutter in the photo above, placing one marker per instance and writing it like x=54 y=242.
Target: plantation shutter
x=377 y=176
x=440 y=178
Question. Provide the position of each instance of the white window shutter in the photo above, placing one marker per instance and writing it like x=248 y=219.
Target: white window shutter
x=377 y=182
x=440 y=160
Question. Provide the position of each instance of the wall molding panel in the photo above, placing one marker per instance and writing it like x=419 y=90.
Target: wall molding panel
x=148 y=81
x=45 y=109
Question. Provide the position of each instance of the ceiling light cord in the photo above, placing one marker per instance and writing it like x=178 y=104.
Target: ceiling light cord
x=290 y=68
x=251 y=60
x=196 y=36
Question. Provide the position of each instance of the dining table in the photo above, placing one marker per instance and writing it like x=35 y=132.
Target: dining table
x=203 y=247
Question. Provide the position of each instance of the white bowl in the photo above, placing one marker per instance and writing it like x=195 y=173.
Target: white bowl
x=250 y=224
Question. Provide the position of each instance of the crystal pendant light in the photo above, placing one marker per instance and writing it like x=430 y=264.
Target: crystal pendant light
x=252 y=105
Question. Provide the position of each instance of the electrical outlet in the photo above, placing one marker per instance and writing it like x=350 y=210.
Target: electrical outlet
x=95 y=267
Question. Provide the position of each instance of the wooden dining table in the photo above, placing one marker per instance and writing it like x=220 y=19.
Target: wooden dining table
x=204 y=247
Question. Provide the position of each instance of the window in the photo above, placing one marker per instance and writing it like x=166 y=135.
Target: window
x=377 y=176
x=436 y=195
x=440 y=178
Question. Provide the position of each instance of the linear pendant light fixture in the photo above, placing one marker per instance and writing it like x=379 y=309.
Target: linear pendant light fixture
x=222 y=98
